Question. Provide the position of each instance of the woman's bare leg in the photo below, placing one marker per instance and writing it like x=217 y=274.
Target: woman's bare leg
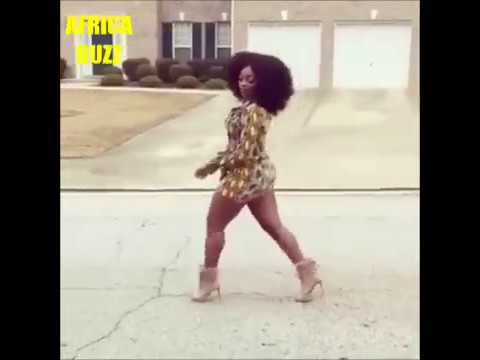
x=222 y=211
x=265 y=211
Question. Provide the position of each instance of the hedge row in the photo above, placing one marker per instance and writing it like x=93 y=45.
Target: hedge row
x=169 y=70
x=183 y=82
x=213 y=74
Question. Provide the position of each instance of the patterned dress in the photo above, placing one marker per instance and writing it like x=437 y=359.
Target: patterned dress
x=246 y=169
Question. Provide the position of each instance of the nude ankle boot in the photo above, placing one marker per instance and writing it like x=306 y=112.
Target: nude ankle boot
x=208 y=283
x=307 y=273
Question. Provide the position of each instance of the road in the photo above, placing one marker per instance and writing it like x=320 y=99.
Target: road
x=129 y=263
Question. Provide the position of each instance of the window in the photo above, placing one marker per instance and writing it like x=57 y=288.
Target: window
x=185 y=41
x=182 y=41
x=223 y=40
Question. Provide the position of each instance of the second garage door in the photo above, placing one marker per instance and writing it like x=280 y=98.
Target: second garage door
x=298 y=45
x=371 y=56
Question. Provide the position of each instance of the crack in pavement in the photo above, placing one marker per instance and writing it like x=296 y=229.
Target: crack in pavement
x=253 y=294
x=108 y=288
x=165 y=269
x=179 y=252
x=115 y=328
x=161 y=281
x=131 y=311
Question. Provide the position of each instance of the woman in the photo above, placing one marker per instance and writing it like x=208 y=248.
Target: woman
x=263 y=84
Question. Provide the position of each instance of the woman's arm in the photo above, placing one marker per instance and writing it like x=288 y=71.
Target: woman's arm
x=210 y=167
x=250 y=137
x=255 y=129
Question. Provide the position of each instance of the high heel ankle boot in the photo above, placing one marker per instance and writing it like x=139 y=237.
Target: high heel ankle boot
x=208 y=283
x=307 y=273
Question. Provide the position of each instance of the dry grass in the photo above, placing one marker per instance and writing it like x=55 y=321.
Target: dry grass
x=94 y=121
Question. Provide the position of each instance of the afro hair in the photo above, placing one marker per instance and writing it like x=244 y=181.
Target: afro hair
x=273 y=79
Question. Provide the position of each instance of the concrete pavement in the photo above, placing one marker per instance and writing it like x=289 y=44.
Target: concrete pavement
x=129 y=264
x=361 y=140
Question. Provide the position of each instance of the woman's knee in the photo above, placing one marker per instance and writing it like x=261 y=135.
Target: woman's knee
x=214 y=234
x=215 y=238
x=215 y=223
x=274 y=229
x=211 y=223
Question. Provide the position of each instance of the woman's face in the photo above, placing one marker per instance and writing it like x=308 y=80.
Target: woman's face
x=247 y=83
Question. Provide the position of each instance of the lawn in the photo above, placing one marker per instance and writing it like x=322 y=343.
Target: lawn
x=95 y=121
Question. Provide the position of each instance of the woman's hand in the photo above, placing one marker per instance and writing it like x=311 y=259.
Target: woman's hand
x=210 y=167
x=201 y=173
x=206 y=170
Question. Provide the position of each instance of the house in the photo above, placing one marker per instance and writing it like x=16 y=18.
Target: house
x=328 y=44
x=183 y=30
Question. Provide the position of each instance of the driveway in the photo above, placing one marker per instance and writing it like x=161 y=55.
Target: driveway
x=349 y=140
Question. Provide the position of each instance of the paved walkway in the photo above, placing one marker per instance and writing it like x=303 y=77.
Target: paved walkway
x=129 y=262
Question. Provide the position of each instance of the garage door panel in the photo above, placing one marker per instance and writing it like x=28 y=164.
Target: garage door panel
x=371 y=56
x=297 y=45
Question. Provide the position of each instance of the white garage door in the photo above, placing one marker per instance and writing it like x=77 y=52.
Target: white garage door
x=298 y=45
x=371 y=56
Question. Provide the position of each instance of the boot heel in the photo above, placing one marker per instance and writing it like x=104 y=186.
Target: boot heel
x=207 y=285
x=307 y=273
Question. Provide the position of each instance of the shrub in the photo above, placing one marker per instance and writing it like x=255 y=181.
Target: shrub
x=150 y=81
x=112 y=80
x=219 y=84
x=63 y=67
x=204 y=78
x=163 y=68
x=219 y=62
x=112 y=70
x=177 y=71
x=129 y=67
x=145 y=70
x=218 y=72
x=188 y=82
x=199 y=67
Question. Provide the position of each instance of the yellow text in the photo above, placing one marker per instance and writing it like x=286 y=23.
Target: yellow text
x=99 y=54
x=99 y=25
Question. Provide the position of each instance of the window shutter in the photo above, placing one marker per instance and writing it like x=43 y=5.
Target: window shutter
x=210 y=40
x=197 y=40
x=167 y=40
